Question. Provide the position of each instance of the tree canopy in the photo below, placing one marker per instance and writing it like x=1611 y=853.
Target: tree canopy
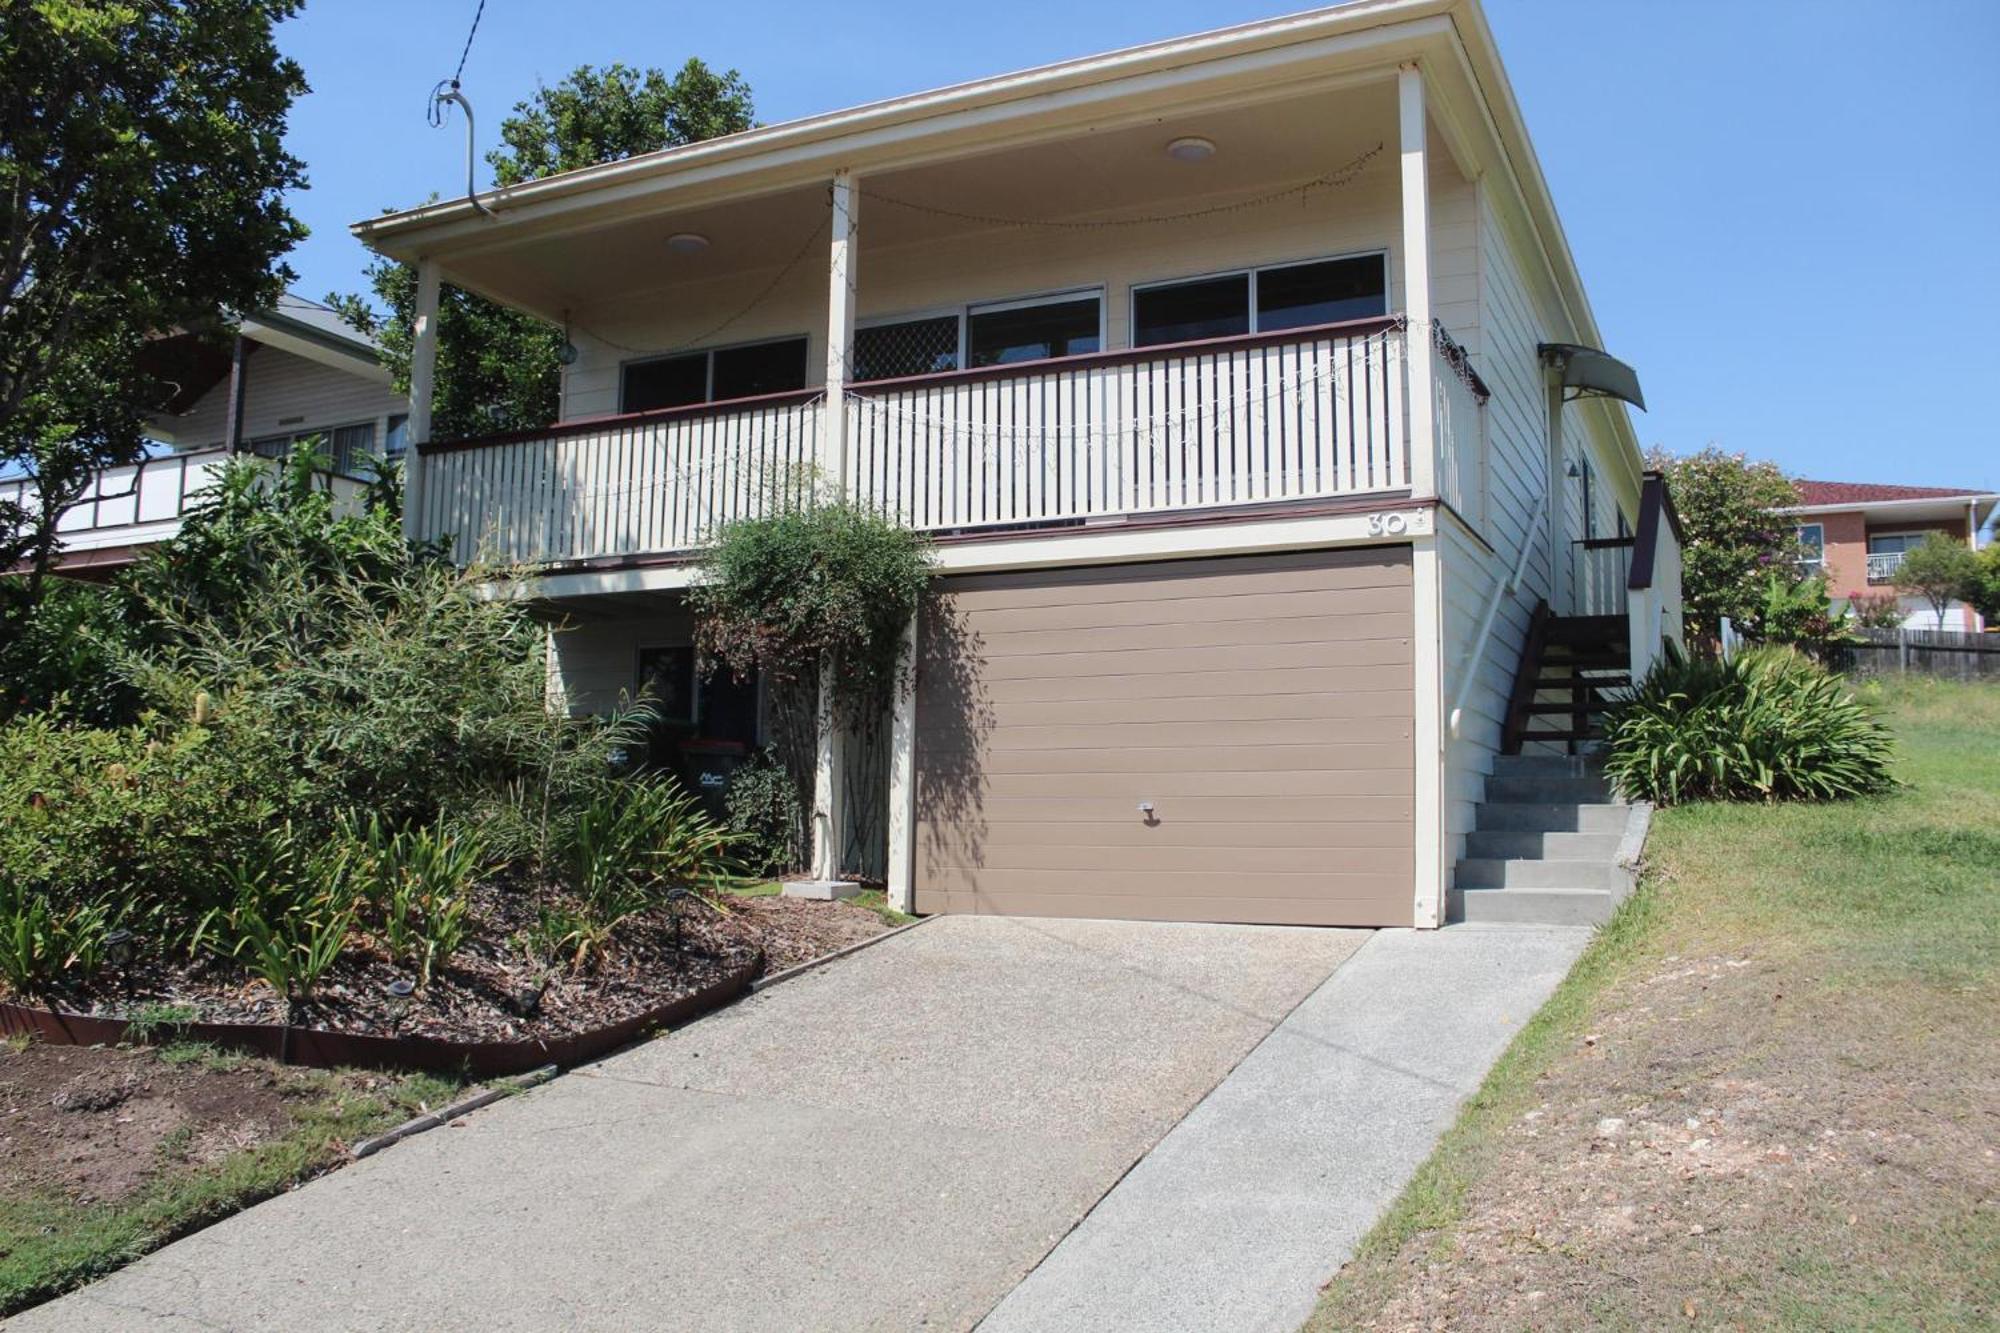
x=143 y=163
x=1736 y=543
x=1941 y=570
x=498 y=369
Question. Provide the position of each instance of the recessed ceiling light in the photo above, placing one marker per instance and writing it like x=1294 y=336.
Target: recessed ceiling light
x=687 y=242
x=1192 y=148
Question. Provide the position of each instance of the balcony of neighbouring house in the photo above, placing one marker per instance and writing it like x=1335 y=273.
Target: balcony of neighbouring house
x=1882 y=566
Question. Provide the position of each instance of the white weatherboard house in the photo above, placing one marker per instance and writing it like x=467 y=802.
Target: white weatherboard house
x=1250 y=390
x=291 y=373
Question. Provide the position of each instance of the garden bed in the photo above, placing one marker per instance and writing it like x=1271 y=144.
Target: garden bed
x=489 y=1013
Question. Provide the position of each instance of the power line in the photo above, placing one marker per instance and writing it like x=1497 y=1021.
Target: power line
x=476 y=15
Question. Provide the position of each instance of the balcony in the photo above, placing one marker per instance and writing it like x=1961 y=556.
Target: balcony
x=130 y=506
x=1882 y=566
x=1305 y=416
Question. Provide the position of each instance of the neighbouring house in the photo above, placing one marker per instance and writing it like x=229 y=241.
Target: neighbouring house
x=1856 y=532
x=1248 y=386
x=282 y=376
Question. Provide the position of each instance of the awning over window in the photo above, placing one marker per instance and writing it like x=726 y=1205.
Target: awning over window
x=1594 y=374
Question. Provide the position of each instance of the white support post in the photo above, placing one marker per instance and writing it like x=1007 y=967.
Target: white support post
x=829 y=789
x=840 y=291
x=902 y=820
x=423 y=384
x=1559 y=555
x=1418 y=362
x=1427 y=573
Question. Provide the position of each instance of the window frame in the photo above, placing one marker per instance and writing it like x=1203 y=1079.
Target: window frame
x=1063 y=296
x=1250 y=273
x=1920 y=534
x=708 y=370
x=1811 y=565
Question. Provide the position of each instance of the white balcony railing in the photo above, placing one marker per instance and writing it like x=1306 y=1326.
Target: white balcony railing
x=1274 y=418
x=656 y=482
x=131 y=505
x=1882 y=566
x=1236 y=421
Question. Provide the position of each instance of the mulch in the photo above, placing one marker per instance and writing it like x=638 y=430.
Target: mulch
x=493 y=989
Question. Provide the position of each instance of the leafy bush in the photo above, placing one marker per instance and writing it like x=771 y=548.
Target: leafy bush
x=768 y=817
x=1876 y=610
x=822 y=586
x=151 y=816
x=1770 y=726
x=63 y=659
x=1798 y=611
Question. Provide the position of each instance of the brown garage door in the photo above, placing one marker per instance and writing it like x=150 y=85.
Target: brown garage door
x=1261 y=705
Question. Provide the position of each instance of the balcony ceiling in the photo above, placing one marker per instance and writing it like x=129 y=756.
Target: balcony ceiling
x=1120 y=172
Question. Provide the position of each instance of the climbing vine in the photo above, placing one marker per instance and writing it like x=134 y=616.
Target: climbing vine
x=820 y=589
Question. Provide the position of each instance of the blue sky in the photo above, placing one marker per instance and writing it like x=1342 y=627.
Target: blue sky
x=1786 y=212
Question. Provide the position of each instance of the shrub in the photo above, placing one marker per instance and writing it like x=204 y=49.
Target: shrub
x=768 y=817
x=1769 y=725
x=64 y=658
x=146 y=817
x=1799 y=612
x=1876 y=610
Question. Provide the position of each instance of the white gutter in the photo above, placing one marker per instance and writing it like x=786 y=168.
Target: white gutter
x=1935 y=501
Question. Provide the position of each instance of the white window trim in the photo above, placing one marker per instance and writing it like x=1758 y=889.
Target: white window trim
x=1249 y=271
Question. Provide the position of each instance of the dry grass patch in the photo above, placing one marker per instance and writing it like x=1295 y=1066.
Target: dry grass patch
x=1768 y=1097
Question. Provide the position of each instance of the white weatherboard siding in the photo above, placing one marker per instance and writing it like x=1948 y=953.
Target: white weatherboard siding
x=284 y=394
x=1508 y=327
x=1007 y=263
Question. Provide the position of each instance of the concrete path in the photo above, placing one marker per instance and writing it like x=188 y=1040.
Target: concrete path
x=1246 y=1207
x=892 y=1141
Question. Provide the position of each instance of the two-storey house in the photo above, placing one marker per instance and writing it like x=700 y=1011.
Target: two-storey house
x=1855 y=533
x=1246 y=383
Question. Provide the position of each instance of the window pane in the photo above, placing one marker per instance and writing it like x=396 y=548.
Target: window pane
x=1033 y=332
x=1210 y=308
x=350 y=445
x=775 y=367
x=666 y=681
x=399 y=437
x=673 y=381
x=912 y=347
x=1325 y=293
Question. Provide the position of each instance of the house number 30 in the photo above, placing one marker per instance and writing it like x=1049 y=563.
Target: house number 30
x=1388 y=525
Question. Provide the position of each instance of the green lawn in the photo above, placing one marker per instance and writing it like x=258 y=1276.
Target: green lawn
x=50 y=1241
x=1769 y=1094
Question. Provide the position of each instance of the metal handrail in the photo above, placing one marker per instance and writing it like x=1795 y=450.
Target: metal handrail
x=1500 y=594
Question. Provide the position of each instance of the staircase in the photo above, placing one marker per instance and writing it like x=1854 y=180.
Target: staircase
x=1569 y=666
x=1547 y=846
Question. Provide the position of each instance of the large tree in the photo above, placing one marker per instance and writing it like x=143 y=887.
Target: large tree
x=1736 y=542
x=497 y=369
x=143 y=165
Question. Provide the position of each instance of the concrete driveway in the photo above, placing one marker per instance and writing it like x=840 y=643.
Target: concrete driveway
x=893 y=1141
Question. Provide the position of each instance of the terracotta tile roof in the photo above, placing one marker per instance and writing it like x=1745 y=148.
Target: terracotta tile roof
x=1860 y=492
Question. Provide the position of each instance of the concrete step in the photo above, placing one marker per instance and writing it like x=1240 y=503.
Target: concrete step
x=1541 y=789
x=1544 y=765
x=1551 y=817
x=1511 y=844
x=1530 y=907
x=1479 y=872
